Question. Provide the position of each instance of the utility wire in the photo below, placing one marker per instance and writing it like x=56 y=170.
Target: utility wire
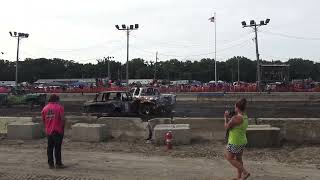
x=102 y=44
x=291 y=36
x=187 y=44
x=242 y=44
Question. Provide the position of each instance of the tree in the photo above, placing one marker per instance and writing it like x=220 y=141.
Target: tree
x=203 y=70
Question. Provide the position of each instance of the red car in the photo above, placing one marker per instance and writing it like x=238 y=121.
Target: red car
x=4 y=90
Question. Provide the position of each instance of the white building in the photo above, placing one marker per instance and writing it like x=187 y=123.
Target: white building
x=45 y=81
x=7 y=83
x=141 y=81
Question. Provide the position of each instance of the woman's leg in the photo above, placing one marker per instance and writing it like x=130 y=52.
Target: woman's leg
x=239 y=159
x=231 y=158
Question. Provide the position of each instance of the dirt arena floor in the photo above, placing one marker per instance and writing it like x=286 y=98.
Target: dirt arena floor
x=134 y=159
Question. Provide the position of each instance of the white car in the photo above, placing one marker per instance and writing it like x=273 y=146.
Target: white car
x=153 y=102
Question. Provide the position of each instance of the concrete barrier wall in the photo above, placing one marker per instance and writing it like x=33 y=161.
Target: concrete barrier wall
x=203 y=128
x=299 y=130
x=25 y=130
x=4 y=121
x=124 y=127
x=251 y=97
x=117 y=127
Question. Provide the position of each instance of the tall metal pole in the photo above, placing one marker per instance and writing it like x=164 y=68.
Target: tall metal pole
x=18 y=36
x=155 y=67
x=109 y=76
x=215 y=47
x=238 y=71
x=258 y=59
x=254 y=25
x=17 y=61
x=128 y=29
x=127 y=73
x=118 y=74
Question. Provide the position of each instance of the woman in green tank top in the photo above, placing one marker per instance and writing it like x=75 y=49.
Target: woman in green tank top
x=237 y=138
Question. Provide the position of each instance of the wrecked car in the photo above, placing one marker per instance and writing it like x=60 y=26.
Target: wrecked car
x=23 y=97
x=122 y=103
x=111 y=103
x=152 y=101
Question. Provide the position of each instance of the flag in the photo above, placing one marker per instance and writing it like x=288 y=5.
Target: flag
x=211 y=19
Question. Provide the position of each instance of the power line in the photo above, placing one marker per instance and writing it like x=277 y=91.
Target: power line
x=242 y=44
x=291 y=36
x=83 y=48
x=187 y=44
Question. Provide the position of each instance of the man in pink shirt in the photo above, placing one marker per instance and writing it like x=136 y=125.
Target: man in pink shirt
x=53 y=119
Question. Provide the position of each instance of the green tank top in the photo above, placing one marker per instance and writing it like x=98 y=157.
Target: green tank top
x=237 y=134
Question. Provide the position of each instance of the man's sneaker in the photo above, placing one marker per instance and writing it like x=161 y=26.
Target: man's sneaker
x=60 y=166
x=51 y=166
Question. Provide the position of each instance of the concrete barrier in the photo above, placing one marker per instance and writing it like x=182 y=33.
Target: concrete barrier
x=203 y=128
x=89 y=132
x=261 y=137
x=299 y=130
x=259 y=126
x=4 y=121
x=125 y=127
x=181 y=133
x=251 y=97
x=25 y=130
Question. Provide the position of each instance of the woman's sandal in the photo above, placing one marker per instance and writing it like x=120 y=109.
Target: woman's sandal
x=246 y=176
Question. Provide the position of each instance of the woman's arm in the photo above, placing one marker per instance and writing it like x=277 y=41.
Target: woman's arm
x=235 y=121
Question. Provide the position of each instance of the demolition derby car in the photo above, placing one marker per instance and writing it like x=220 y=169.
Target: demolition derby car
x=152 y=101
x=123 y=103
x=22 y=97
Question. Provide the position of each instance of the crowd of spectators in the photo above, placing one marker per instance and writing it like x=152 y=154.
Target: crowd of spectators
x=297 y=86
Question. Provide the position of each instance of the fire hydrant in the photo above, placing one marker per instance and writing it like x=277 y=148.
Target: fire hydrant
x=168 y=140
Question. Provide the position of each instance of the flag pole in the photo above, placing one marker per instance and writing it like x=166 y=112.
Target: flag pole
x=215 y=47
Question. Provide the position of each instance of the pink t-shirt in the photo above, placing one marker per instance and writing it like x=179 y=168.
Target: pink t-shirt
x=52 y=116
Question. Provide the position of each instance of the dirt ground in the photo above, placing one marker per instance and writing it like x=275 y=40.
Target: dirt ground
x=134 y=159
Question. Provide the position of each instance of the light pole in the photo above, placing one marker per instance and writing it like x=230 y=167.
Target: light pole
x=108 y=59
x=255 y=26
x=214 y=20
x=155 y=67
x=127 y=29
x=238 y=72
x=18 y=36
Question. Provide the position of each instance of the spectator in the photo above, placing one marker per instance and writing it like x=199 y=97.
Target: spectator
x=237 y=139
x=54 y=121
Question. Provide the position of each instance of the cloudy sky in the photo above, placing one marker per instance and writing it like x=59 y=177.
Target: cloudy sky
x=83 y=30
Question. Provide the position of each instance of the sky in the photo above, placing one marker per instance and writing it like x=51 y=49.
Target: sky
x=84 y=30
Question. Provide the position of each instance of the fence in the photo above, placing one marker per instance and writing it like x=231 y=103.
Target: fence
x=181 y=89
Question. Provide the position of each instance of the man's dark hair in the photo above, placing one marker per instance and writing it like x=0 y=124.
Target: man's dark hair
x=241 y=104
x=53 y=98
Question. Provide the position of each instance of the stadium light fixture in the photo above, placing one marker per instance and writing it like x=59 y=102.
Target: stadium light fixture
x=127 y=29
x=19 y=36
x=267 y=21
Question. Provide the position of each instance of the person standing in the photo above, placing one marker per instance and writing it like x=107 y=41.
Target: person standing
x=54 y=122
x=237 y=139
